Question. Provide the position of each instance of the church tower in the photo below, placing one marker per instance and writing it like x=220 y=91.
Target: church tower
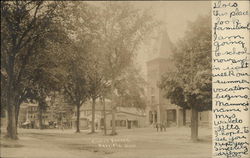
x=159 y=109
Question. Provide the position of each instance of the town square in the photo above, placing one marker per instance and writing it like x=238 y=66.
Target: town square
x=106 y=79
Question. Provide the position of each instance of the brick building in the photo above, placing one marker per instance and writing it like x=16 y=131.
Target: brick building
x=159 y=109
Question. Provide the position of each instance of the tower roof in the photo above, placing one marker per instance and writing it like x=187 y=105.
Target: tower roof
x=162 y=47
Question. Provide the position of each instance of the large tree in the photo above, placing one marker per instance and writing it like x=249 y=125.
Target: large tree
x=83 y=55
x=42 y=78
x=75 y=82
x=123 y=29
x=43 y=74
x=97 y=82
x=23 y=25
x=190 y=86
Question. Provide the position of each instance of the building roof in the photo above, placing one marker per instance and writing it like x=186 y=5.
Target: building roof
x=98 y=105
x=131 y=110
x=163 y=46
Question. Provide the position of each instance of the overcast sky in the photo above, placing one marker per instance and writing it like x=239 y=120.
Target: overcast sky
x=175 y=15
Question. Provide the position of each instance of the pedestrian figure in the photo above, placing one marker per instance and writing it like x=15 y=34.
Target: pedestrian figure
x=157 y=127
x=96 y=126
x=161 y=127
x=62 y=126
x=164 y=126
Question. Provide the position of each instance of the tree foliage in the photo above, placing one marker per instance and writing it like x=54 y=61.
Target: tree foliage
x=123 y=30
x=191 y=83
x=24 y=24
x=86 y=51
x=190 y=86
x=130 y=89
x=82 y=78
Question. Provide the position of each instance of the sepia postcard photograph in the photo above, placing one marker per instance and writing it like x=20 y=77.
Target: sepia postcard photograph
x=106 y=79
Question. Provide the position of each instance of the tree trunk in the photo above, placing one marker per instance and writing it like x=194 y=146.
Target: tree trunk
x=184 y=117
x=18 y=104
x=62 y=128
x=113 y=132
x=78 y=118
x=40 y=117
x=104 y=117
x=93 y=116
x=17 y=114
x=194 y=124
x=113 y=121
x=11 y=126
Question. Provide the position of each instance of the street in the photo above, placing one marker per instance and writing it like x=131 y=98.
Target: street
x=138 y=142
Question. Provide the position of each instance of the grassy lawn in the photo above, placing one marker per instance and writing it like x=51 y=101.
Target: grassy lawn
x=133 y=143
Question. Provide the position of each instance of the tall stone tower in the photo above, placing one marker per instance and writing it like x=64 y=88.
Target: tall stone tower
x=159 y=109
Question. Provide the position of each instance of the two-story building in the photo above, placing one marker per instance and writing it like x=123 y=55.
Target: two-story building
x=57 y=113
